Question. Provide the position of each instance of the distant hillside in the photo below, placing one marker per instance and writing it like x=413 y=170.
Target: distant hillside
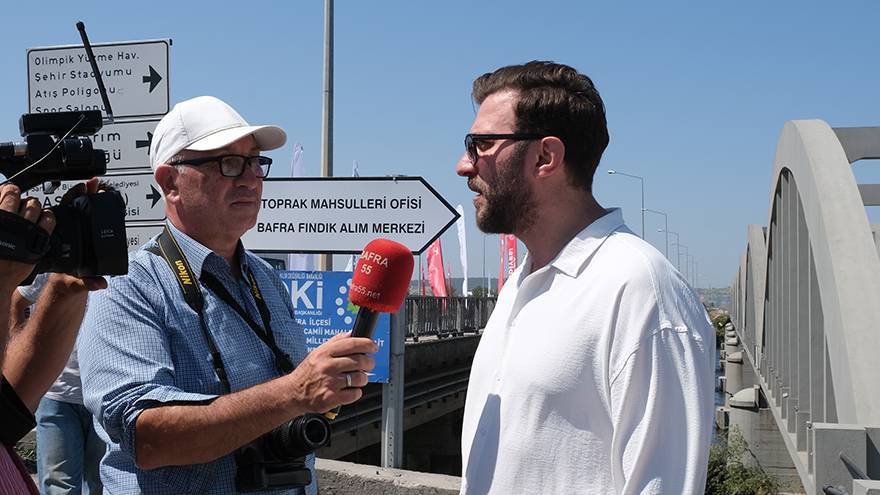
x=473 y=282
x=716 y=297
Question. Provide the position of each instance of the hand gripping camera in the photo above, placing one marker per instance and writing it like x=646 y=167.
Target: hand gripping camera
x=89 y=237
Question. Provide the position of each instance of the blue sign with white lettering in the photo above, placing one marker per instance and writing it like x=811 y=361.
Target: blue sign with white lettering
x=321 y=307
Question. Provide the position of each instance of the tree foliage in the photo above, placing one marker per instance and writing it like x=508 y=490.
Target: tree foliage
x=727 y=475
x=478 y=291
x=720 y=318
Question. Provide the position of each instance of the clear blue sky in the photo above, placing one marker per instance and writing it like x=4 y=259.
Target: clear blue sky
x=696 y=93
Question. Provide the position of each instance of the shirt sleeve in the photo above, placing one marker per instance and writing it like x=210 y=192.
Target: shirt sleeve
x=16 y=418
x=125 y=358
x=662 y=401
x=32 y=292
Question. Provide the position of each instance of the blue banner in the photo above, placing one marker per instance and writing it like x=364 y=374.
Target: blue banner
x=321 y=307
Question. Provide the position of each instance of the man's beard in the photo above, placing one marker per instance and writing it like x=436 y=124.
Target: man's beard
x=508 y=206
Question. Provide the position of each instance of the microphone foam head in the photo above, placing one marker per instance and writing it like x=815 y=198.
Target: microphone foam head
x=381 y=277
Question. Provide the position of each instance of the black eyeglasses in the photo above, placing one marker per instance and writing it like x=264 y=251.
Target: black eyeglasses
x=470 y=141
x=232 y=165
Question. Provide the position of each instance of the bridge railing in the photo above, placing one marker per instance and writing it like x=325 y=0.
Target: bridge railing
x=443 y=317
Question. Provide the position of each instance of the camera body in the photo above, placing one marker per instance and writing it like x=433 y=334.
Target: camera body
x=278 y=458
x=89 y=238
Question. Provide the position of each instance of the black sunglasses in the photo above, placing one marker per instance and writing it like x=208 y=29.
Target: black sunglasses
x=232 y=165
x=470 y=141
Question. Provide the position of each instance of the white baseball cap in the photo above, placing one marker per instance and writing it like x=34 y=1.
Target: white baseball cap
x=206 y=123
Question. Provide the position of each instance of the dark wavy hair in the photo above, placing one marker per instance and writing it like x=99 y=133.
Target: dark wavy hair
x=555 y=100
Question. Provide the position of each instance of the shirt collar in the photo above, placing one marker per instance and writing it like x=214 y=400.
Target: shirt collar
x=581 y=247
x=198 y=255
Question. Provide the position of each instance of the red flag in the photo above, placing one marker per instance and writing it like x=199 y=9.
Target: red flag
x=435 y=269
x=501 y=266
x=511 y=254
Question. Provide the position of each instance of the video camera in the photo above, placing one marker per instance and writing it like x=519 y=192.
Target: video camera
x=89 y=237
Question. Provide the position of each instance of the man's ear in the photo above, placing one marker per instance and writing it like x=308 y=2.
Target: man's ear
x=551 y=156
x=166 y=176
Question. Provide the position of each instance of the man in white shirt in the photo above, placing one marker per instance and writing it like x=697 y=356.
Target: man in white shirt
x=595 y=372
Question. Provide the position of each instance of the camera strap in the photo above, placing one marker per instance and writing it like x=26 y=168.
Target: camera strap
x=21 y=239
x=192 y=294
x=282 y=360
x=169 y=250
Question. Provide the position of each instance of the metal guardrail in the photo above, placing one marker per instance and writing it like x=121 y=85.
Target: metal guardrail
x=443 y=317
x=419 y=392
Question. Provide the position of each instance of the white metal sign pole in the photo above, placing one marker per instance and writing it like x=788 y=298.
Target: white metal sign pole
x=392 y=394
x=326 y=260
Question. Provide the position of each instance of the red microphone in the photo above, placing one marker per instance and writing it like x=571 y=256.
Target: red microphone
x=379 y=285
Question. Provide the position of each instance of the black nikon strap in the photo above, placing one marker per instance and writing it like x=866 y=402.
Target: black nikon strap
x=192 y=294
x=282 y=360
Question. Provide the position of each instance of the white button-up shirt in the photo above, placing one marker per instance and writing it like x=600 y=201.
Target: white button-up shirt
x=594 y=375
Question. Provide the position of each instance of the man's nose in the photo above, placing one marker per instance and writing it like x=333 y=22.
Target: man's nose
x=249 y=178
x=465 y=167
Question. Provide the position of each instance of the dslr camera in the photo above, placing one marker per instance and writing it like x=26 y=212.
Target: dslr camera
x=278 y=458
x=89 y=238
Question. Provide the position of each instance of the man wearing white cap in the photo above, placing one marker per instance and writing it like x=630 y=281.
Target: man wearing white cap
x=178 y=387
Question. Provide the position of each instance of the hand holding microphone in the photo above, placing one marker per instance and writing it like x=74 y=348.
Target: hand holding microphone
x=379 y=285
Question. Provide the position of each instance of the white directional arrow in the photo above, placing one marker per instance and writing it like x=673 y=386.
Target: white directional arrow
x=127 y=143
x=342 y=214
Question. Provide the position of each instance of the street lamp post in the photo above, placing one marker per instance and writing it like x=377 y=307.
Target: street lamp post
x=690 y=260
x=686 y=265
x=677 y=250
x=485 y=292
x=326 y=260
x=665 y=227
x=642 y=181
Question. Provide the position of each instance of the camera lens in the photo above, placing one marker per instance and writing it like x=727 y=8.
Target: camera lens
x=299 y=436
x=315 y=431
x=77 y=152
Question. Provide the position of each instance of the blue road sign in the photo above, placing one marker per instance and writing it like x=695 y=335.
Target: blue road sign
x=321 y=307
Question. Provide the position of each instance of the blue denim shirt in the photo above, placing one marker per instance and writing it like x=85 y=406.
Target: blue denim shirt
x=142 y=346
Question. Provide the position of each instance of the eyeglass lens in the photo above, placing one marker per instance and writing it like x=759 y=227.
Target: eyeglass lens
x=233 y=166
